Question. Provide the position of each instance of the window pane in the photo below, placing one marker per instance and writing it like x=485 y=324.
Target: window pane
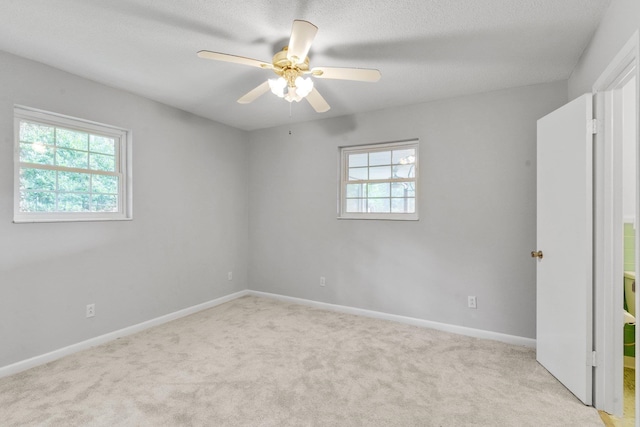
x=73 y=181
x=382 y=185
x=37 y=201
x=379 y=190
x=379 y=205
x=32 y=132
x=357 y=173
x=104 y=184
x=403 y=189
x=71 y=158
x=36 y=153
x=404 y=157
x=104 y=203
x=72 y=202
x=404 y=171
x=102 y=162
x=407 y=205
x=380 y=172
x=356 y=190
x=69 y=169
x=358 y=160
x=102 y=144
x=72 y=139
x=356 y=205
x=37 y=179
x=380 y=158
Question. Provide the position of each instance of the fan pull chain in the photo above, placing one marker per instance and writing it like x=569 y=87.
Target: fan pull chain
x=290 y=118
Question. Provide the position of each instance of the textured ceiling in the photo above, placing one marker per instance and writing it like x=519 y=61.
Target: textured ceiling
x=425 y=49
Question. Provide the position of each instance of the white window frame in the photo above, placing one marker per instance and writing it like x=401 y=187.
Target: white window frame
x=344 y=180
x=123 y=166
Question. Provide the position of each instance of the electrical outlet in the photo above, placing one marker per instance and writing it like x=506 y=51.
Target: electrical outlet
x=230 y=275
x=471 y=302
x=323 y=282
x=91 y=310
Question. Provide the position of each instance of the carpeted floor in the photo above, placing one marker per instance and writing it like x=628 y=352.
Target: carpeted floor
x=261 y=362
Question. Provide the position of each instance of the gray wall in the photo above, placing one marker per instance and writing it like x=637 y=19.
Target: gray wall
x=616 y=28
x=202 y=189
x=190 y=220
x=477 y=212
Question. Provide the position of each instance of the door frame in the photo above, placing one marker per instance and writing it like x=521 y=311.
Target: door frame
x=608 y=237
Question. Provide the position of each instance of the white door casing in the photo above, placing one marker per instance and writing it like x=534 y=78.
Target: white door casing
x=608 y=241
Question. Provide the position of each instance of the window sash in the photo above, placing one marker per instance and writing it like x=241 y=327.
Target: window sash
x=121 y=163
x=67 y=169
x=344 y=180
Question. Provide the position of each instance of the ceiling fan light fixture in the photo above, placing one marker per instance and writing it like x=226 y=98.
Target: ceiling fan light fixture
x=277 y=86
x=303 y=86
x=293 y=95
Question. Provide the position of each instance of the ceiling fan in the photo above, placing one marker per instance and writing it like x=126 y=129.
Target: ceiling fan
x=291 y=64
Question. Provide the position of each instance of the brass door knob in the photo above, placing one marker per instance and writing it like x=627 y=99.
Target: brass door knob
x=537 y=254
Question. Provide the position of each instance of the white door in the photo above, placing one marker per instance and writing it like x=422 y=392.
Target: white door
x=564 y=236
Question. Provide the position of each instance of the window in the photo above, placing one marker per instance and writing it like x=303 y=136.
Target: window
x=69 y=169
x=379 y=181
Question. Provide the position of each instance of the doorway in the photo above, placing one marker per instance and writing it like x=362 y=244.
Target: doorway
x=615 y=240
x=580 y=191
x=629 y=191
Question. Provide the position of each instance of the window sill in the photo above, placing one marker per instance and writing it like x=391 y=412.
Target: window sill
x=383 y=217
x=51 y=220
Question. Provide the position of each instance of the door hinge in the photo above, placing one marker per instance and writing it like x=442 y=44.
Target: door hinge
x=592 y=126
x=594 y=359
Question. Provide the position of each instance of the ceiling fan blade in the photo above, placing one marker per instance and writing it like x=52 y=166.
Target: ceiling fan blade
x=255 y=93
x=358 y=74
x=207 y=54
x=317 y=101
x=302 y=35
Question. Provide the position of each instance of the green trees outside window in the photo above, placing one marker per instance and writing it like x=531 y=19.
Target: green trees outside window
x=66 y=170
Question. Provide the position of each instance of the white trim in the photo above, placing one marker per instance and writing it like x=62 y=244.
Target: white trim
x=102 y=339
x=455 y=329
x=608 y=339
x=122 y=159
x=26 y=112
x=32 y=362
x=343 y=180
x=618 y=64
x=381 y=216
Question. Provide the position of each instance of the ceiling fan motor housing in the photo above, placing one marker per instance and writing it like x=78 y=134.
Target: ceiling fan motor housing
x=287 y=69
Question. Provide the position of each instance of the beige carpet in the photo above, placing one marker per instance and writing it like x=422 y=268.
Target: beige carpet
x=260 y=362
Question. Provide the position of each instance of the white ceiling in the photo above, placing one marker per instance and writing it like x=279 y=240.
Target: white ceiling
x=425 y=49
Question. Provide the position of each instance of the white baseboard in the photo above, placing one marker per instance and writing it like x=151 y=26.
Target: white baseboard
x=460 y=330
x=102 y=339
